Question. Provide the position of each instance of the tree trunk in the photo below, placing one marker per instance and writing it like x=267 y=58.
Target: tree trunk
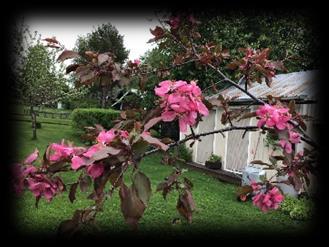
x=103 y=97
x=34 y=123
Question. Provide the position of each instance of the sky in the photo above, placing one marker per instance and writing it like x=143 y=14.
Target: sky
x=66 y=28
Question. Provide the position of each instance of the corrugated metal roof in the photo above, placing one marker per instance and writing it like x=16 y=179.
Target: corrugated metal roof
x=302 y=84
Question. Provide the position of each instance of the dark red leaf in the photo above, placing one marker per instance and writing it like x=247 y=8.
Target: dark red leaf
x=51 y=40
x=85 y=183
x=72 y=67
x=131 y=206
x=151 y=123
x=154 y=141
x=102 y=58
x=186 y=205
x=67 y=54
x=142 y=185
x=73 y=191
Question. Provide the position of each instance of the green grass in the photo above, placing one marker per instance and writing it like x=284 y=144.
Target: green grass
x=217 y=208
x=20 y=109
x=25 y=118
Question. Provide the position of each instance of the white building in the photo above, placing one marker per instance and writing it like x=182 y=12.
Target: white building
x=237 y=152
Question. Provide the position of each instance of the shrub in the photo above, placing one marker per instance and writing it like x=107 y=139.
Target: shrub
x=215 y=158
x=182 y=152
x=91 y=116
x=297 y=209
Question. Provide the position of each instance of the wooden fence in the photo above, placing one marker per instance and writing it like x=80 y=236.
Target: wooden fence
x=47 y=114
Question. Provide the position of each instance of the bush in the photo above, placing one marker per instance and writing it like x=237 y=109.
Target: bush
x=297 y=209
x=91 y=116
x=215 y=158
x=182 y=152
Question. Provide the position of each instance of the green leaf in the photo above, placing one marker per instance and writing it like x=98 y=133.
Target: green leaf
x=142 y=185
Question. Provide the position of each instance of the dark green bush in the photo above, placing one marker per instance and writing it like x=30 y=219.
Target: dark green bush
x=91 y=116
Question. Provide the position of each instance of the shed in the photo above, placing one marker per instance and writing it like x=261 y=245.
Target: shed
x=236 y=152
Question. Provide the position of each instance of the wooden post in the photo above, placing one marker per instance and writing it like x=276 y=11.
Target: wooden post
x=34 y=123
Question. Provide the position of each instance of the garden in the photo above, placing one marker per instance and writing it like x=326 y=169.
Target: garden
x=106 y=145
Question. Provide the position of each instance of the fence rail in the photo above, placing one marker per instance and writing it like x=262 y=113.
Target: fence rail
x=47 y=114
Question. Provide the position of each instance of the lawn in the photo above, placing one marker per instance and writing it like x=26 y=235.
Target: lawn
x=217 y=208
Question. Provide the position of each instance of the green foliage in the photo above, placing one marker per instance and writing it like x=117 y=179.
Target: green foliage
x=105 y=38
x=214 y=158
x=182 y=152
x=298 y=209
x=83 y=102
x=271 y=140
x=288 y=35
x=91 y=116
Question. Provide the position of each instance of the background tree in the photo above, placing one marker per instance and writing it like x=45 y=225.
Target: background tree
x=41 y=80
x=291 y=36
x=105 y=38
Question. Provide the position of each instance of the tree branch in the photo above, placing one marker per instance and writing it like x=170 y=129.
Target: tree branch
x=197 y=136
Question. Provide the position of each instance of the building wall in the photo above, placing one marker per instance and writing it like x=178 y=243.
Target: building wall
x=205 y=147
x=235 y=151
x=220 y=140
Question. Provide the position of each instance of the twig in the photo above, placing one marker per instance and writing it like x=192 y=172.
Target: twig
x=249 y=128
x=119 y=100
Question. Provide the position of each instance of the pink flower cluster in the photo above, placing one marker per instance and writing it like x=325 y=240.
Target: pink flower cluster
x=41 y=185
x=273 y=116
x=62 y=152
x=137 y=62
x=270 y=199
x=182 y=100
x=38 y=183
x=105 y=138
x=278 y=117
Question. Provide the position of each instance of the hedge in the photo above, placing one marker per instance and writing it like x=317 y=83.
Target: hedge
x=83 y=117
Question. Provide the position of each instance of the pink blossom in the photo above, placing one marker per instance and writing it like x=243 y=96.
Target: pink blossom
x=294 y=137
x=255 y=186
x=137 y=61
x=168 y=116
x=95 y=170
x=268 y=200
x=106 y=137
x=273 y=116
x=181 y=100
x=28 y=170
x=77 y=162
x=61 y=152
x=286 y=145
x=32 y=157
x=20 y=173
x=40 y=186
x=124 y=134
x=93 y=149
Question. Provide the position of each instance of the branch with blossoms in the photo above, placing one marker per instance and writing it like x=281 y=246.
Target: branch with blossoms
x=130 y=140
